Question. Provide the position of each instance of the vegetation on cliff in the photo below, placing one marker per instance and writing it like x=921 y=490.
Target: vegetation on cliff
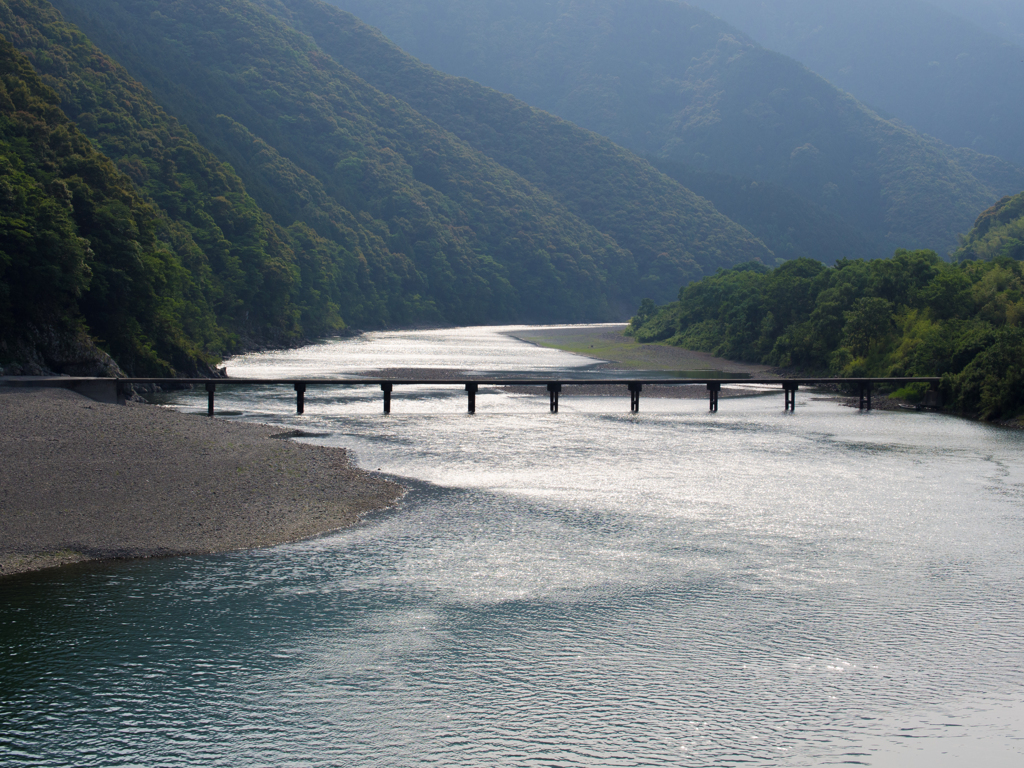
x=999 y=231
x=910 y=315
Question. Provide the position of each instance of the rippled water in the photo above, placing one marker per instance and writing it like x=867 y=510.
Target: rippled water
x=587 y=589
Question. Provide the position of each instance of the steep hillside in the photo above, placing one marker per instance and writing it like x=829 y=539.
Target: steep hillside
x=311 y=139
x=668 y=230
x=669 y=80
x=908 y=58
x=264 y=285
x=78 y=244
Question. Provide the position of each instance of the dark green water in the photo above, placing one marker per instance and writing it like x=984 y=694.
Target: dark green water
x=587 y=589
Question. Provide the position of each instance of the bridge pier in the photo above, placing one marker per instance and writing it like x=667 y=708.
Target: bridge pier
x=865 y=396
x=300 y=398
x=635 y=388
x=471 y=391
x=790 y=393
x=210 y=389
x=713 y=390
x=553 y=390
x=386 y=389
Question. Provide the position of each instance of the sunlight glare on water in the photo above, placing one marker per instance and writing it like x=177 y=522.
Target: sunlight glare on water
x=591 y=588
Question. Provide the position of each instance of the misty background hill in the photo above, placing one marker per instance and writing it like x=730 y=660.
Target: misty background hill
x=1000 y=17
x=675 y=83
x=908 y=59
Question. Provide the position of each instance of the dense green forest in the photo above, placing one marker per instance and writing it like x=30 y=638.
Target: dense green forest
x=235 y=71
x=301 y=199
x=908 y=59
x=668 y=80
x=909 y=315
x=76 y=241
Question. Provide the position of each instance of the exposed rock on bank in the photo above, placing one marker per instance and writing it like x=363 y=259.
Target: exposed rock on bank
x=84 y=480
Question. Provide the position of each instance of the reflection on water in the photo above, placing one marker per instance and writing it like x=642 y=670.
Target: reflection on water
x=593 y=588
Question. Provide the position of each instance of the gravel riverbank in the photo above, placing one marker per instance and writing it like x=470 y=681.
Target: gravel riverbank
x=82 y=480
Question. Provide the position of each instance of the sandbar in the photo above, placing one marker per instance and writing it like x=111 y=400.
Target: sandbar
x=82 y=480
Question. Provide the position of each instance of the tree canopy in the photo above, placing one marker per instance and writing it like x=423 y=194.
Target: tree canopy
x=909 y=315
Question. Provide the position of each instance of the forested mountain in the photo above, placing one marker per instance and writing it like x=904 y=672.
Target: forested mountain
x=378 y=156
x=301 y=198
x=671 y=81
x=77 y=239
x=906 y=58
x=606 y=186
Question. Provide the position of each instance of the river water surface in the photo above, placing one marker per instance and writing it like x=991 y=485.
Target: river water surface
x=591 y=588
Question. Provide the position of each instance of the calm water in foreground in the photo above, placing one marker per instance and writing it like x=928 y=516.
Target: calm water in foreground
x=588 y=589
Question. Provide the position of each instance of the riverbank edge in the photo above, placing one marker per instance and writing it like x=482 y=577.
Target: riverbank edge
x=597 y=341
x=87 y=481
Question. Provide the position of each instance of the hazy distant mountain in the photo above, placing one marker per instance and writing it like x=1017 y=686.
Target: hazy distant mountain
x=671 y=81
x=555 y=155
x=1000 y=17
x=906 y=58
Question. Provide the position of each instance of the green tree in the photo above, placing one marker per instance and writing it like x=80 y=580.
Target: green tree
x=868 y=322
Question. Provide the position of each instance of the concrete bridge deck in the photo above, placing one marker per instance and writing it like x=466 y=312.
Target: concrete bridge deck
x=115 y=390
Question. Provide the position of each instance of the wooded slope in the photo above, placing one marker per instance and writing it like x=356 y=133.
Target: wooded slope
x=300 y=198
x=235 y=72
x=666 y=79
x=911 y=315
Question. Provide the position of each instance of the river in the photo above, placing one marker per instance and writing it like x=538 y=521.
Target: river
x=592 y=588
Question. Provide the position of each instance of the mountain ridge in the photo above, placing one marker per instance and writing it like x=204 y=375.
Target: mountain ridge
x=673 y=82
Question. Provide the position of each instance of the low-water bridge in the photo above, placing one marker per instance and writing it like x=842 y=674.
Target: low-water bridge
x=115 y=390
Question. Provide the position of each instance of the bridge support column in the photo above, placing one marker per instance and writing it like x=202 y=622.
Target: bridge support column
x=300 y=398
x=635 y=388
x=865 y=396
x=790 y=392
x=210 y=389
x=553 y=390
x=471 y=391
x=386 y=389
x=713 y=390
